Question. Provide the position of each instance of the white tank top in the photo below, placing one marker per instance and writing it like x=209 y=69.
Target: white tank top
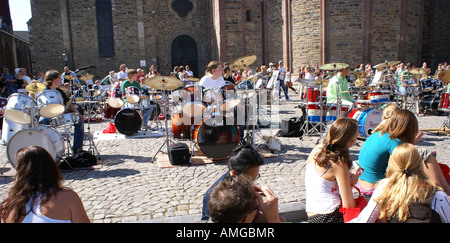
x=322 y=196
x=35 y=215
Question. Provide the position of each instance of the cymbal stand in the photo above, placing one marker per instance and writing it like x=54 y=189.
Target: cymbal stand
x=92 y=147
x=166 y=142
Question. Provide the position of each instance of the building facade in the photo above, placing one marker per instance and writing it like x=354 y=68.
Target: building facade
x=168 y=33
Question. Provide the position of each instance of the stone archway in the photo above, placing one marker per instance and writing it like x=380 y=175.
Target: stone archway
x=184 y=52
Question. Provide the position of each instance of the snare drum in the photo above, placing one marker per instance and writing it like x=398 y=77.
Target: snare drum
x=51 y=103
x=128 y=121
x=332 y=112
x=41 y=135
x=193 y=101
x=444 y=103
x=216 y=137
x=65 y=120
x=133 y=95
x=115 y=98
x=18 y=108
x=230 y=97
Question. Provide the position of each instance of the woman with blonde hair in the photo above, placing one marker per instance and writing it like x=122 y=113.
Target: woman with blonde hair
x=406 y=195
x=328 y=178
x=388 y=111
x=402 y=127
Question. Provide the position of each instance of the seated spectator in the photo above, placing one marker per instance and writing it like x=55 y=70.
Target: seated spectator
x=374 y=155
x=237 y=200
x=328 y=178
x=244 y=160
x=406 y=195
x=37 y=195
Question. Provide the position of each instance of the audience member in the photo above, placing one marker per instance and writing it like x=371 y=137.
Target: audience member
x=37 y=195
x=406 y=195
x=328 y=179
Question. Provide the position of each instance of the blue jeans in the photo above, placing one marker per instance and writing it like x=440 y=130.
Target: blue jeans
x=78 y=134
x=283 y=86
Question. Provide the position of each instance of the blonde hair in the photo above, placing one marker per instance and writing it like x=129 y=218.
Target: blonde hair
x=402 y=125
x=406 y=183
x=388 y=111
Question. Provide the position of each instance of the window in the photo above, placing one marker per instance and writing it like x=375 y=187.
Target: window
x=105 y=32
x=248 y=17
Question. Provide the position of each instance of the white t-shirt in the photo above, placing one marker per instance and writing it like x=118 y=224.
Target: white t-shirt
x=122 y=75
x=208 y=83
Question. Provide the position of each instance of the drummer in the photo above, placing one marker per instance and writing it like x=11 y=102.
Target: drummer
x=53 y=81
x=213 y=78
x=342 y=88
x=132 y=82
x=404 y=78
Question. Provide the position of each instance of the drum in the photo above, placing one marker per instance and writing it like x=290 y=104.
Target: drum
x=41 y=135
x=427 y=85
x=368 y=120
x=128 y=121
x=312 y=94
x=444 y=103
x=65 y=120
x=332 y=112
x=115 y=98
x=245 y=85
x=110 y=112
x=51 y=103
x=192 y=96
x=18 y=108
x=230 y=97
x=133 y=95
x=380 y=96
x=181 y=126
x=364 y=104
x=438 y=85
x=316 y=112
x=9 y=128
x=216 y=137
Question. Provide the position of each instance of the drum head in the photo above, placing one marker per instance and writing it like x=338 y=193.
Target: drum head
x=216 y=138
x=115 y=102
x=18 y=116
x=52 y=110
x=29 y=137
x=128 y=121
x=194 y=109
x=133 y=99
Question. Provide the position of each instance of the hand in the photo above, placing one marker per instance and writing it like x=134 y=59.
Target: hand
x=270 y=207
x=355 y=173
x=418 y=137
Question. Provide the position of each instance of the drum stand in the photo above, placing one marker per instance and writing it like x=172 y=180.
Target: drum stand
x=317 y=127
x=166 y=142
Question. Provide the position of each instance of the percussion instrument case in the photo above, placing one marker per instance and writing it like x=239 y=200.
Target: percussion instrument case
x=179 y=154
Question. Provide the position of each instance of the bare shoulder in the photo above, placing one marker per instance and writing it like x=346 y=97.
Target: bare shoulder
x=68 y=196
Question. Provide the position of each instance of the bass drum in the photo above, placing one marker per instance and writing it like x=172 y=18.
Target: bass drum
x=41 y=135
x=216 y=137
x=368 y=120
x=128 y=121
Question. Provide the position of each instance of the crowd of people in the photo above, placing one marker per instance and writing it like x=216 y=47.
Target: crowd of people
x=401 y=182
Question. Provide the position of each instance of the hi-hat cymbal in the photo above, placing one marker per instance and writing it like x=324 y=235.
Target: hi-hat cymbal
x=444 y=76
x=35 y=87
x=87 y=76
x=69 y=77
x=334 y=66
x=243 y=62
x=163 y=82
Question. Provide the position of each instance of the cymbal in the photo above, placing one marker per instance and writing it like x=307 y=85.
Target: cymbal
x=87 y=76
x=242 y=62
x=418 y=71
x=86 y=102
x=334 y=66
x=194 y=79
x=444 y=76
x=69 y=77
x=35 y=87
x=307 y=82
x=393 y=63
x=322 y=81
x=360 y=74
x=163 y=82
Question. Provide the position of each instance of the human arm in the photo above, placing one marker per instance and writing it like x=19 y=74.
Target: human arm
x=342 y=175
x=76 y=207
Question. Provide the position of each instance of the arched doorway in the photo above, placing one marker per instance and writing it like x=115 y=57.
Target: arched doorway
x=184 y=52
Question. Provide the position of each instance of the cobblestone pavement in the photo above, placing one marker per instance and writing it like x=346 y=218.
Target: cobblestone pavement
x=129 y=187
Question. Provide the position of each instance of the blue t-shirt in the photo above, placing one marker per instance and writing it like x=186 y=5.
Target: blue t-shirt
x=374 y=156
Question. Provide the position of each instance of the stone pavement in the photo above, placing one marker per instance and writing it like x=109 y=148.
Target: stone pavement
x=129 y=187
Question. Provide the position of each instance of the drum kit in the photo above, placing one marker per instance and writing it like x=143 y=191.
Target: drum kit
x=317 y=113
x=20 y=124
